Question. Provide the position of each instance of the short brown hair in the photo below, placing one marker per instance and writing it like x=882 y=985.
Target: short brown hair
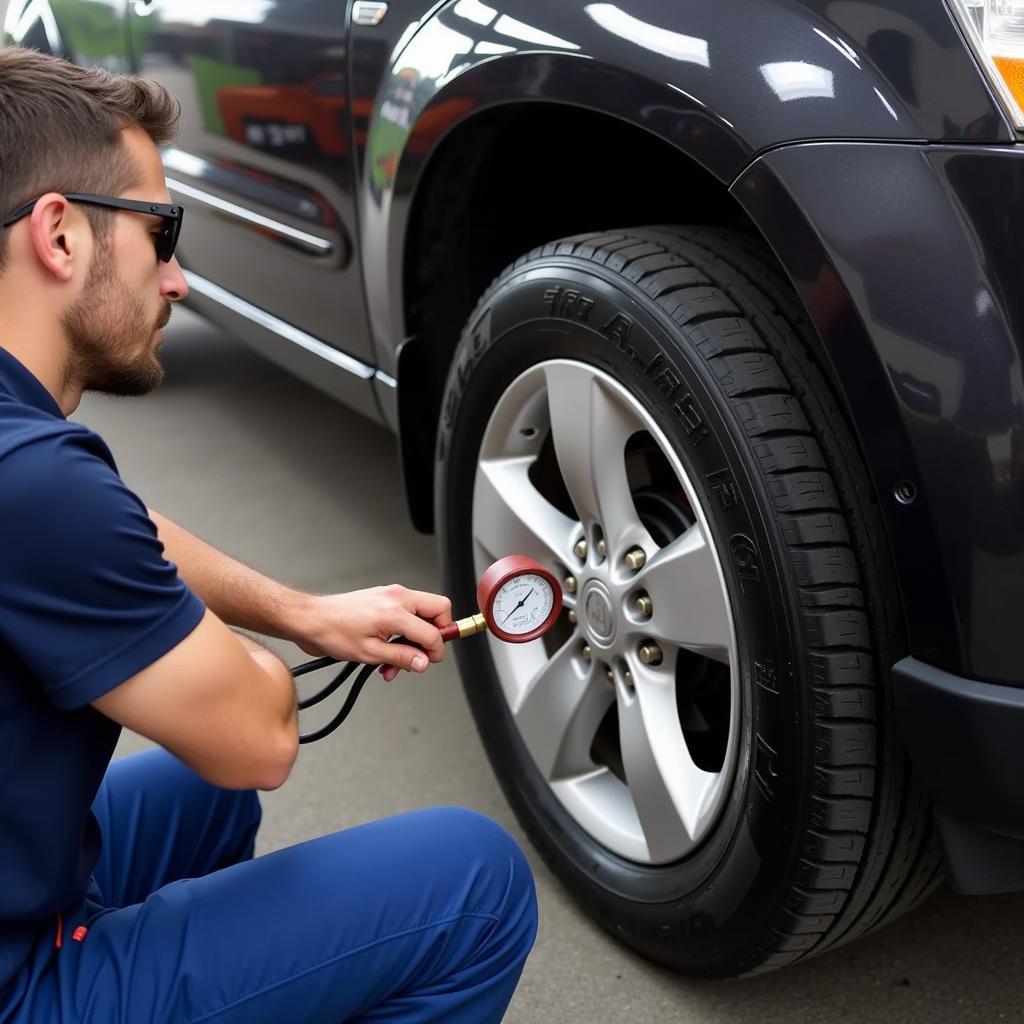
x=60 y=130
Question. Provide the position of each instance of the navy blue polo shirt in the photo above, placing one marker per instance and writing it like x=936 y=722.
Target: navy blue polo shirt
x=87 y=600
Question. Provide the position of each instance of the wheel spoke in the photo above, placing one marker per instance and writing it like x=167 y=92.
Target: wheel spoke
x=668 y=789
x=590 y=428
x=511 y=515
x=690 y=606
x=559 y=713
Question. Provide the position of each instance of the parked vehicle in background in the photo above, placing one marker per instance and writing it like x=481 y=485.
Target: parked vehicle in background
x=715 y=310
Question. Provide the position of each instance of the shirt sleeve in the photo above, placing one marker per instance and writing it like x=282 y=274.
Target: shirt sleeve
x=87 y=598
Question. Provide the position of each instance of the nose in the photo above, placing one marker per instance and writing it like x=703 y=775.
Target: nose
x=173 y=285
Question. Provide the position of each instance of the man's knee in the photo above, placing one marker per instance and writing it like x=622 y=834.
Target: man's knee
x=471 y=829
x=485 y=850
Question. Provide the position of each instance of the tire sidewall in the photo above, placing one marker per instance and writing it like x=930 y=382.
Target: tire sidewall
x=560 y=307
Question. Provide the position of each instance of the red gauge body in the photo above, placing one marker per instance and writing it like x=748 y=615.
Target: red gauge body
x=503 y=572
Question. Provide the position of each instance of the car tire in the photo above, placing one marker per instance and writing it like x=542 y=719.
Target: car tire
x=688 y=343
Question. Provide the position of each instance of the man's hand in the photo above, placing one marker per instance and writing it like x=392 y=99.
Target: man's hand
x=344 y=626
x=356 y=627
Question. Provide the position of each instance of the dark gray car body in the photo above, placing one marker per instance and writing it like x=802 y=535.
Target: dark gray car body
x=351 y=189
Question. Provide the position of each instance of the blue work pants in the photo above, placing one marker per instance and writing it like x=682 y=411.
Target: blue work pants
x=426 y=916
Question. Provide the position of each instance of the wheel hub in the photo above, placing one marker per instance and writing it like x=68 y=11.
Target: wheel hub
x=598 y=614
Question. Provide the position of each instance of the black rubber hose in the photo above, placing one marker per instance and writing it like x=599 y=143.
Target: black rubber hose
x=332 y=686
x=346 y=708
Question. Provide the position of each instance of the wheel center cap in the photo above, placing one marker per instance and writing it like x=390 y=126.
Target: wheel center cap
x=597 y=609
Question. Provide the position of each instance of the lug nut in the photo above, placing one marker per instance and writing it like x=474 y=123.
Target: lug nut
x=570 y=584
x=580 y=548
x=650 y=653
x=643 y=605
x=623 y=669
x=572 y=616
x=635 y=558
x=609 y=674
x=602 y=548
x=586 y=652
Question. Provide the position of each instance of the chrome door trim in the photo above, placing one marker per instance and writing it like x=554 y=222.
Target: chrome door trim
x=310 y=243
x=280 y=327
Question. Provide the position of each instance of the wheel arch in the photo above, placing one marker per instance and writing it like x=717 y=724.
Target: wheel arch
x=591 y=123
x=483 y=200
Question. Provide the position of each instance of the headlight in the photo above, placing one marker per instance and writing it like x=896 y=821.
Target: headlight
x=995 y=30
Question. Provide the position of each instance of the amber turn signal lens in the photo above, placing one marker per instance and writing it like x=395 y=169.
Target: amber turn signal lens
x=1012 y=70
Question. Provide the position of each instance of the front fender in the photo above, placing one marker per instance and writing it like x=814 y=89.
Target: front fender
x=907 y=260
x=721 y=82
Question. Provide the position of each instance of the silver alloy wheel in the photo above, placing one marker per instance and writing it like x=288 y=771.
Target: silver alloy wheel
x=559 y=700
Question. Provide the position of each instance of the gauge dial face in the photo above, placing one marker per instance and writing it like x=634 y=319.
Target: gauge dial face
x=522 y=604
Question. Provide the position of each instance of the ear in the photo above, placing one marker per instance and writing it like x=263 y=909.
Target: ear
x=59 y=235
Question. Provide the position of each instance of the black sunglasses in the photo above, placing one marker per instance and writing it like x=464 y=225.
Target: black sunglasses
x=171 y=214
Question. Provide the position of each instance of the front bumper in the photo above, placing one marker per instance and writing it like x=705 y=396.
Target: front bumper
x=966 y=742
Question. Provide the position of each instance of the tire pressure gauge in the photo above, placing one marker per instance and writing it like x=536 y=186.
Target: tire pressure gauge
x=519 y=600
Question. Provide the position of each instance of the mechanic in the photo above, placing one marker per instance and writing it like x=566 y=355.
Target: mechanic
x=113 y=616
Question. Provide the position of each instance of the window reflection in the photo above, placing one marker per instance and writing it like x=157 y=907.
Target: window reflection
x=404 y=39
x=843 y=47
x=473 y=10
x=798 y=80
x=490 y=49
x=507 y=26
x=651 y=37
x=887 y=105
x=435 y=48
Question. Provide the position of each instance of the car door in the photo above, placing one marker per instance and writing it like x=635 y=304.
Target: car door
x=263 y=160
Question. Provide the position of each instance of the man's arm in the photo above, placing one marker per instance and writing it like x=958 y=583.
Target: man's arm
x=98 y=616
x=220 y=702
x=235 y=593
x=353 y=626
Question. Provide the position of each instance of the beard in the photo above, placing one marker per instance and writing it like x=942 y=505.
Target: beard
x=110 y=336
